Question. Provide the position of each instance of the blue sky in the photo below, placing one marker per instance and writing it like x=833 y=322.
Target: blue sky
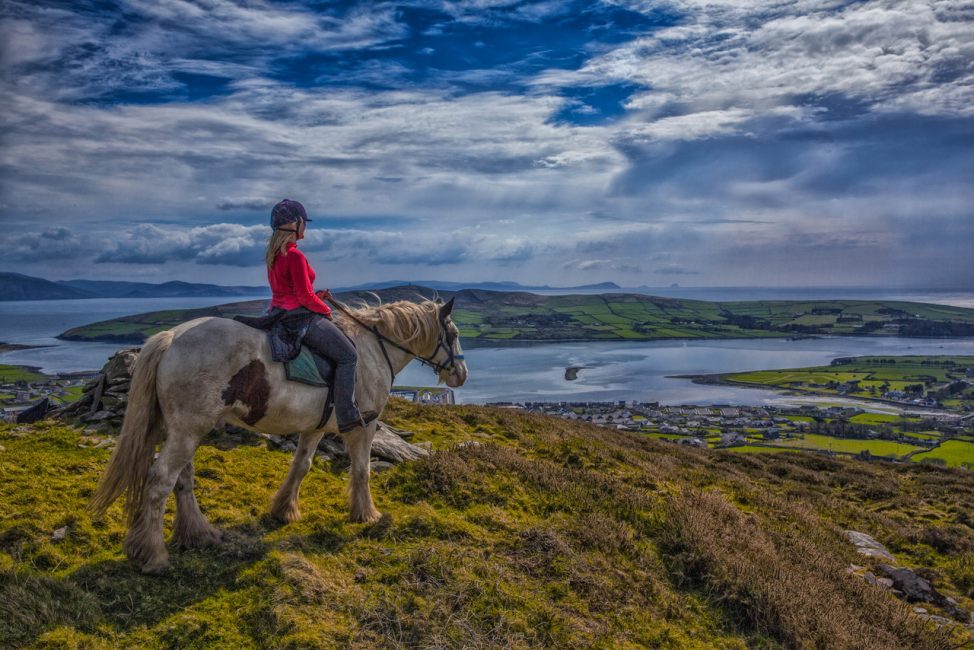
x=705 y=142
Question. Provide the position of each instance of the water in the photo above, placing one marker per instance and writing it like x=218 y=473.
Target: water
x=536 y=372
x=37 y=322
x=639 y=370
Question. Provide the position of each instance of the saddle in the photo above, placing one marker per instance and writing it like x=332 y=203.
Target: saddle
x=285 y=331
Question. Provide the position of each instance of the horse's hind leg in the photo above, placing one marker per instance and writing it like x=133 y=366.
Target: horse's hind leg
x=284 y=506
x=359 y=444
x=191 y=529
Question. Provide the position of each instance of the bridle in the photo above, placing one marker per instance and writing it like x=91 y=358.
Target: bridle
x=441 y=343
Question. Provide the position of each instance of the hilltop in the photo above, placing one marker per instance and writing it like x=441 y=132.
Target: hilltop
x=522 y=530
x=522 y=316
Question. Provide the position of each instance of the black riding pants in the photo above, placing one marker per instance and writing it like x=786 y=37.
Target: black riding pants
x=325 y=338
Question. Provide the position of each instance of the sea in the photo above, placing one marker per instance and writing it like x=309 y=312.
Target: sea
x=518 y=372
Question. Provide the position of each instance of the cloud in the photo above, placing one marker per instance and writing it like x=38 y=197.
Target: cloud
x=462 y=137
x=255 y=204
x=674 y=270
x=601 y=265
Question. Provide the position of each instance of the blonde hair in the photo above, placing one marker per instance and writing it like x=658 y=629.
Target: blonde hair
x=277 y=243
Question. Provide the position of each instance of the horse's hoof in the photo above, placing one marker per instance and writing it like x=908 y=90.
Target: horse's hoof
x=156 y=567
x=287 y=514
x=367 y=518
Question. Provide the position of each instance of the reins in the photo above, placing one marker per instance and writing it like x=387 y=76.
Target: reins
x=383 y=339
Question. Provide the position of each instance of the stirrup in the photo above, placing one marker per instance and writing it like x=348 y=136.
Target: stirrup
x=363 y=421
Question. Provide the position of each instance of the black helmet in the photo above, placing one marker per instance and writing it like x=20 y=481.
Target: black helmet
x=287 y=211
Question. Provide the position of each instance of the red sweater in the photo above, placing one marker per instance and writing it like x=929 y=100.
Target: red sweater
x=292 y=282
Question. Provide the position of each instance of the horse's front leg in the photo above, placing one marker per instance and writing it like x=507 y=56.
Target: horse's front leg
x=284 y=506
x=359 y=445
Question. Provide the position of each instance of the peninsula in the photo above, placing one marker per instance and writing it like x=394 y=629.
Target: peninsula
x=496 y=316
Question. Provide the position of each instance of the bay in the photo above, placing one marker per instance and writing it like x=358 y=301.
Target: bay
x=610 y=371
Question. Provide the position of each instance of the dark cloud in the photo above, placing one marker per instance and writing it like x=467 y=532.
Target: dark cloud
x=246 y=203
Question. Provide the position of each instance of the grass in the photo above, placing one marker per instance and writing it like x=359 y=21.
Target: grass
x=849 y=445
x=10 y=373
x=953 y=453
x=550 y=533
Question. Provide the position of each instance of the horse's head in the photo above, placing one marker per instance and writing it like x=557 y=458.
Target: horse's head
x=448 y=355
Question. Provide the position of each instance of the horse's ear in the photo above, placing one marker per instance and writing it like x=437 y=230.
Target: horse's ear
x=447 y=309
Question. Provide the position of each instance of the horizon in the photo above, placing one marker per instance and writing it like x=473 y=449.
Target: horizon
x=670 y=287
x=712 y=144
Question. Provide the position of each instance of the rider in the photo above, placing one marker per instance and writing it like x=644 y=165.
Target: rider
x=292 y=279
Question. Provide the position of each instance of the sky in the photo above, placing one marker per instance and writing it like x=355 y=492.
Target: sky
x=699 y=142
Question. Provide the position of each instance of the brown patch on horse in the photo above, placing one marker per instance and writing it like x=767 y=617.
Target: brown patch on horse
x=250 y=387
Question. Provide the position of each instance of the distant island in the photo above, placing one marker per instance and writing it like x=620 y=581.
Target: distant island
x=495 y=316
x=16 y=286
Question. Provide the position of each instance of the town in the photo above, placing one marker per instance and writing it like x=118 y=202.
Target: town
x=764 y=426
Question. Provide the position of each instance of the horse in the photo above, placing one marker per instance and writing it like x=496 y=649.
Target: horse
x=211 y=371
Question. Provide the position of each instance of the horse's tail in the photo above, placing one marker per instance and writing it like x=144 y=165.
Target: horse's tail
x=142 y=430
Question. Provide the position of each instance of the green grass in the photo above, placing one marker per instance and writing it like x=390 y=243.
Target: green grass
x=10 y=373
x=761 y=449
x=552 y=534
x=954 y=453
x=848 y=446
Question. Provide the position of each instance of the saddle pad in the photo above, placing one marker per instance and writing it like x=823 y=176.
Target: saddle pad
x=309 y=368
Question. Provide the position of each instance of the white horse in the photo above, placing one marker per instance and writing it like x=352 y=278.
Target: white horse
x=210 y=371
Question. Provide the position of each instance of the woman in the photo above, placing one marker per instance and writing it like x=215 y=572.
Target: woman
x=292 y=281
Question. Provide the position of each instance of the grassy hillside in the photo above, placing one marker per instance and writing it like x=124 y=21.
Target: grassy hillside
x=499 y=316
x=544 y=533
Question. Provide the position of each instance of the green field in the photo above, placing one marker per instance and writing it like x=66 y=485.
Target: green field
x=944 y=378
x=495 y=315
x=848 y=446
x=761 y=449
x=10 y=373
x=954 y=453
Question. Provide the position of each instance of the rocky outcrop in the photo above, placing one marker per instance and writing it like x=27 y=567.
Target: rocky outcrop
x=902 y=582
x=388 y=446
x=102 y=406
x=868 y=546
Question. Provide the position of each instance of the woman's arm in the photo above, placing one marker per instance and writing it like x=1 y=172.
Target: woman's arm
x=301 y=281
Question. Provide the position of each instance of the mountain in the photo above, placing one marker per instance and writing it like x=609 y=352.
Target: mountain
x=15 y=286
x=186 y=289
x=519 y=531
x=489 y=286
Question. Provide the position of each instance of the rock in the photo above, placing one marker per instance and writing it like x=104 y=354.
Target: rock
x=59 y=534
x=98 y=416
x=333 y=446
x=868 y=546
x=288 y=446
x=919 y=610
x=34 y=413
x=96 y=395
x=474 y=444
x=426 y=444
x=914 y=588
x=120 y=365
x=380 y=466
x=389 y=446
x=324 y=456
x=2 y=448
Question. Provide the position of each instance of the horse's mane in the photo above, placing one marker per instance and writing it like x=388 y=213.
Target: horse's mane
x=403 y=321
